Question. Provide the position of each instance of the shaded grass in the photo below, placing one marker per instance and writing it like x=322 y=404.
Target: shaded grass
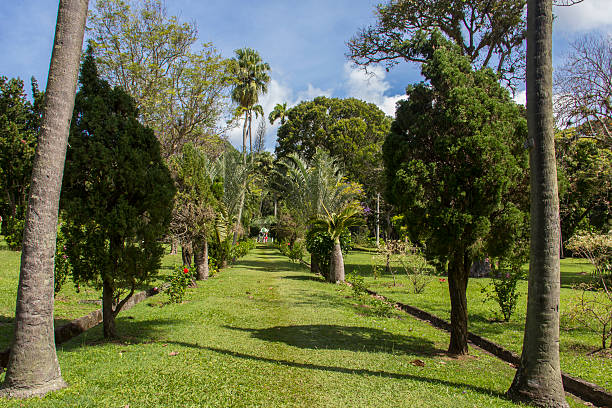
x=254 y=336
x=70 y=302
x=575 y=343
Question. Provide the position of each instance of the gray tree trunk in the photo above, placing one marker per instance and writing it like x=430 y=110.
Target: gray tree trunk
x=336 y=265
x=538 y=378
x=186 y=252
x=200 y=257
x=314 y=263
x=33 y=368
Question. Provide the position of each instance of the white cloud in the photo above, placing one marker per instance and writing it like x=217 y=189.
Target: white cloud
x=370 y=87
x=312 y=92
x=585 y=16
x=520 y=97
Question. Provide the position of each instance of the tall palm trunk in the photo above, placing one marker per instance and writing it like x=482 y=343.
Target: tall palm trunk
x=245 y=130
x=538 y=378
x=336 y=264
x=33 y=368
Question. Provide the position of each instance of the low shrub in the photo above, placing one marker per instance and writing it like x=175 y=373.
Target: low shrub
x=502 y=289
x=179 y=282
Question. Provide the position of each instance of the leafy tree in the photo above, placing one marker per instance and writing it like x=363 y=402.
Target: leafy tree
x=195 y=202
x=19 y=127
x=117 y=194
x=538 y=377
x=583 y=88
x=352 y=131
x=488 y=33
x=181 y=94
x=453 y=158
x=33 y=368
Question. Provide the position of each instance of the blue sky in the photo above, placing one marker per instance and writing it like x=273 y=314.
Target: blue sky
x=303 y=41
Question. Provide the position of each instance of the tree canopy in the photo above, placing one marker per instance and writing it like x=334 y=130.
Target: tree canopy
x=352 y=131
x=488 y=33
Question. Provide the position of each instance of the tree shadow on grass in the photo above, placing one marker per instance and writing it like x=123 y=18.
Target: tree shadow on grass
x=343 y=338
x=314 y=278
x=347 y=370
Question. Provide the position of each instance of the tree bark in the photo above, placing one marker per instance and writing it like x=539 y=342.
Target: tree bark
x=314 y=263
x=457 y=287
x=538 y=378
x=33 y=368
x=336 y=265
x=108 y=313
x=186 y=252
x=200 y=257
x=173 y=247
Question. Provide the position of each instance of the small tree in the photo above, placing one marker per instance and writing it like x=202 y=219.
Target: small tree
x=453 y=159
x=117 y=194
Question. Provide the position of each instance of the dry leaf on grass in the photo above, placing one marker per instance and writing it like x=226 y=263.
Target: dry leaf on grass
x=418 y=363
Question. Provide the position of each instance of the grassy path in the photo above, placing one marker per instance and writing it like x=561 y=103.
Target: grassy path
x=266 y=333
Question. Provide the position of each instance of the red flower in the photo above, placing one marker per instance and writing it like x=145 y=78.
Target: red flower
x=442 y=280
x=186 y=270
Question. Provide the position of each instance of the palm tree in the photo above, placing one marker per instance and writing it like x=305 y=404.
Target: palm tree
x=252 y=80
x=33 y=368
x=278 y=113
x=335 y=224
x=313 y=190
x=538 y=378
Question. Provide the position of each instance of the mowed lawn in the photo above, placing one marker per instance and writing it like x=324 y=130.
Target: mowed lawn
x=576 y=343
x=266 y=333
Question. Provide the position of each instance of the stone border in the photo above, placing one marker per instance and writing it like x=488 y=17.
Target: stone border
x=586 y=391
x=82 y=324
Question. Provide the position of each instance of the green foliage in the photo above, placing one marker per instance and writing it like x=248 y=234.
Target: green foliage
x=242 y=248
x=585 y=183
x=117 y=191
x=63 y=269
x=321 y=244
x=454 y=158
x=352 y=131
x=502 y=289
x=178 y=284
x=357 y=284
x=297 y=251
x=19 y=127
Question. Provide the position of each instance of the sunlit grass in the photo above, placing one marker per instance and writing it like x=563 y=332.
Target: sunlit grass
x=575 y=343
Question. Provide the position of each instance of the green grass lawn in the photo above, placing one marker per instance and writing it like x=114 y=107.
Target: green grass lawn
x=267 y=333
x=575 y=343
x=69 y=304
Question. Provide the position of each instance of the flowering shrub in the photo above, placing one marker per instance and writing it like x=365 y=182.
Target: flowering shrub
x=179 y=282
x=597 y=248
x=241 y=248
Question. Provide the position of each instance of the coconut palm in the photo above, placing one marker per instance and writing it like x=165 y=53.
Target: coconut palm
x=252 y=80
x=33 y=368
x=335 y=224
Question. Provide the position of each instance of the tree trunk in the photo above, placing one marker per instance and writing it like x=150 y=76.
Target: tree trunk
x=336 y=265
x=378 y=220
x=314 y=263
x=33 y=368
x=538 y=378
x=108 y=315
x=186 y=251
x=200 y=257
x=173 y=247
x=457 y=287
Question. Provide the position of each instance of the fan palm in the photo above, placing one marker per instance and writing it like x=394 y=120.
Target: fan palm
x=278 y=113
